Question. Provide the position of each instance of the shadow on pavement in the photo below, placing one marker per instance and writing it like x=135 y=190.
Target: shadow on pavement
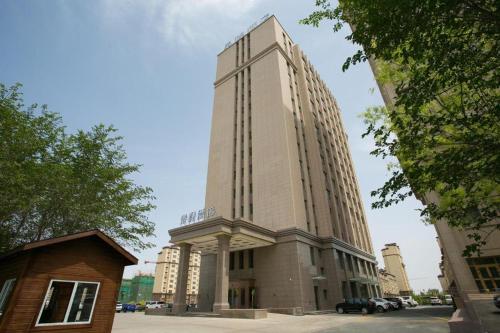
x=428 y=311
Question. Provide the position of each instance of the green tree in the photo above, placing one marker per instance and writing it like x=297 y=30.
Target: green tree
x=53 y=183
x=438 y=63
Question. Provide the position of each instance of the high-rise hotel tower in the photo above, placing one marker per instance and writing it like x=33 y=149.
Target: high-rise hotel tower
x=290 y=230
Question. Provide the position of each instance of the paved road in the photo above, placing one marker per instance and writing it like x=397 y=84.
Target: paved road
x=417 y=320
x=431 y=319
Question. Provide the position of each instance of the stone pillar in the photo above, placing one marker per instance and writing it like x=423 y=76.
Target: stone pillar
x=222 y=274
x=182 y=279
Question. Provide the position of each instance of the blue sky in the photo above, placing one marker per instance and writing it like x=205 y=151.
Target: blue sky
x=147 y=67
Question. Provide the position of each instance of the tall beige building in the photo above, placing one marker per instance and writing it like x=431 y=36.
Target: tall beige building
x=471 y=281
x=166 y=271
x=290 y=231
x=394 y=265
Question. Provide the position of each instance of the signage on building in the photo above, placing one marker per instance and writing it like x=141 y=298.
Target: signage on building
x=256 y=23
x=198 y=216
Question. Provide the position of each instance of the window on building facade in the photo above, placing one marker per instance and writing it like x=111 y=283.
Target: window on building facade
x=486 y=273
x=250 y=258
x=311 y=253
x=231 y=261
x=349 y=262
x=7 y=288
x=68 y=302
x=241 y=260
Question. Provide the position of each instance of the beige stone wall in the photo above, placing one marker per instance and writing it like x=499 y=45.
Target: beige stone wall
x=302 y=173
x=220 y=172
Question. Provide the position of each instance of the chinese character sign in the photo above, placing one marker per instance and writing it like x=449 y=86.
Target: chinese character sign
x=198 y=216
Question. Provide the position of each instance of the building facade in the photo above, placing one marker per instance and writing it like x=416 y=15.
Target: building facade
x=166 y=275
x=471 y=281
x=394 y=265
x=290 y=230
x=388 y=284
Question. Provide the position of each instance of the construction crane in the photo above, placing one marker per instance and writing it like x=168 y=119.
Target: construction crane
x=159 y=262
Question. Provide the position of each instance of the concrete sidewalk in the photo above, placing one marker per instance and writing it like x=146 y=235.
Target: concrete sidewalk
x=417 y=320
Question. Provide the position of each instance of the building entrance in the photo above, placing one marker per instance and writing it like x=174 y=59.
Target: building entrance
x=242 y=294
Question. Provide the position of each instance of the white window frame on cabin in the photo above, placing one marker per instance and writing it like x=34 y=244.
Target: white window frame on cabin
x=7 y=289
x=65 y=321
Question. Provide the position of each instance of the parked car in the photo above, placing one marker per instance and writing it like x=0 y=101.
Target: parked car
x=129 y=307
x=410 y=301
x=392 y=304
x=396 y=300
x=448 y=300
x=381 y=304
x=140 y=307
x=362 y=305
x=496 y=301
x=155 y=304
x=119 y=307
x=436 y=301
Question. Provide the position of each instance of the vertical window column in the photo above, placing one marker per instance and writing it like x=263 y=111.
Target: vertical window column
x=241 y=137
x=237 y=173
x=249 y=143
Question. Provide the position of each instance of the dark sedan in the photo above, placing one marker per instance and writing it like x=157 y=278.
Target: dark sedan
x=362 y=305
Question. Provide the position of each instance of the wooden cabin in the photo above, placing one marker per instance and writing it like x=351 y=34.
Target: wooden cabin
x=63 y=284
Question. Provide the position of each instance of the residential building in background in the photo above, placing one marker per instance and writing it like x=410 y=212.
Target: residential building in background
x=290 y=231
x=141 y=287
x=388 y=283
x=166 y=275
x=394 y=265
x=471 y=281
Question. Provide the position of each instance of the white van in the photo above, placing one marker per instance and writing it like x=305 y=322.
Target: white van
x=155 y=304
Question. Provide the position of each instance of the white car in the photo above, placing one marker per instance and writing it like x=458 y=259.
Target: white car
x=119 y=307
x=381 y=304
x=392 y=305
x=436 y=301
x=409 y=301
x=448 y=300
x=155 y=304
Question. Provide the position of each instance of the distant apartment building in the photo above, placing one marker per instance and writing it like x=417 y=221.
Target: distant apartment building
x=388 y=283
x=167 y=268
x=394 y=265
x=290 y=230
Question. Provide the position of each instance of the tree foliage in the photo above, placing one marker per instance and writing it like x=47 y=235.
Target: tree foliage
x=438 y=63
x=53 y=183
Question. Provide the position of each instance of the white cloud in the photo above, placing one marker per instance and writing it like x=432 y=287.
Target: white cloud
x=185 y=22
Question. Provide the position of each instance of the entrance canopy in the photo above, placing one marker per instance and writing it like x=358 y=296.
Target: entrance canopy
x=203 y=235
